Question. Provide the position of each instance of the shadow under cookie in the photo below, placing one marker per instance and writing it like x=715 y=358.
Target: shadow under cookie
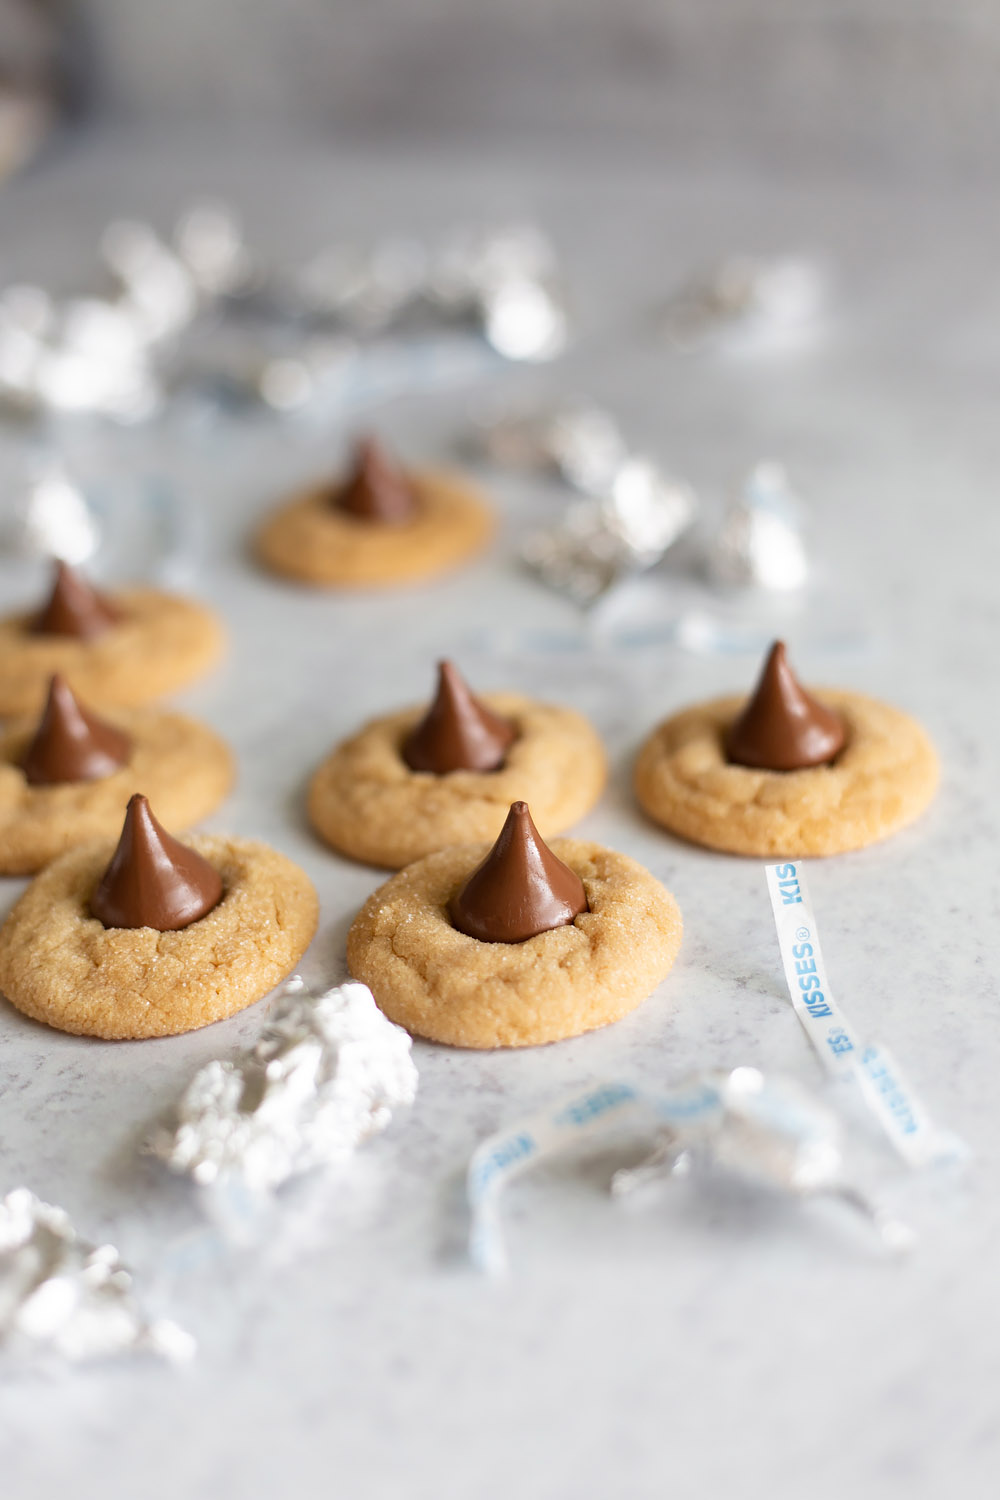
x=444 y=985
x=882 y=780
x=60 y=965
x=366 y=802
x=185 y=768
x=311 y=540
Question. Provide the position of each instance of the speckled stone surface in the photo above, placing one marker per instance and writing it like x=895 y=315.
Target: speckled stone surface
x=697 y=1343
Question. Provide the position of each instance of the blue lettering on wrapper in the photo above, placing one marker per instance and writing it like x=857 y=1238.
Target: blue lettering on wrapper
x=595 y=1104
x=788 y=885
x=516 y=1148
x=839 y=1042
x=815 y=1000
x=890 y=1089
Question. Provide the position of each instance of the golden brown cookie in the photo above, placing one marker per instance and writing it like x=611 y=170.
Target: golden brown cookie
x=882 y=780
x=60 y=965
x=309 y=539
x=441 y=984
x=366 y=802
x=180 y=764
x=160 y=643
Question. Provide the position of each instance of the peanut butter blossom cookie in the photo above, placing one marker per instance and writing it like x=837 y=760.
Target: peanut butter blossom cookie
x=68 y=776
x=154 y=936
x=420 y=779
x=380 y=525
x=784 y=772
x=516 y=944
x=118 y=650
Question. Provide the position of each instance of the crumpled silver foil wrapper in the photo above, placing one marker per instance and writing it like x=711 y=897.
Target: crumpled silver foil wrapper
x=760 y=542
x=506 y=282
x=325 y=1075
x=634 y=511
x=512 y=283
x=753 y=305
x=171 y=306
x=49 y=516
x=63 y=1297
x=320 y=368
x=770 y=1131
x=743 y=1125
x=580 y=442
x=76 y=355
x=107 y=353
x=600 y=544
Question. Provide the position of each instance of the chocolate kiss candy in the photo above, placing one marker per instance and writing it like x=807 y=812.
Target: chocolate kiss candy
x=152 y=880
x=520 y=888
x=378 y=490
x=74 y=608
x=783 y=728
x=457 y=733
x=71 y=744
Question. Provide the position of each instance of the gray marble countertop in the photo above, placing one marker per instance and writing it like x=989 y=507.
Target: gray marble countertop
x=698 y=1343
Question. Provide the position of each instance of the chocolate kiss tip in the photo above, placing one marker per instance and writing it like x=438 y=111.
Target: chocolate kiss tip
x=457 y=733
x=153 y=880
x=377 y=489
x=74 y=608
x=520 y=889
x=72 y=744
x=782 y=727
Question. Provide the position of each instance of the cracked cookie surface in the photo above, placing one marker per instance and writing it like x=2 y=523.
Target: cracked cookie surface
x=161 y=643
x=365 y=801
x=60 y=965
x=881 y=781
x=443 y=985
x=181 y=765
x=308 y=539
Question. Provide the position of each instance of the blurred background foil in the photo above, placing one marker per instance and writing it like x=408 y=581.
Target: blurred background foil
x=893 y=84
